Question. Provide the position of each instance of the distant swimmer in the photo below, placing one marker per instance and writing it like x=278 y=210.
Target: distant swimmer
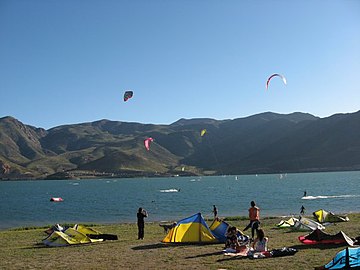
x=304 y=193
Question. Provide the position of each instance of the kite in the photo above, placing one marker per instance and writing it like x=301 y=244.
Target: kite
x=127 y=95
x=147 y=143
x=272 y=76
x=5 y=168
x=202 y=133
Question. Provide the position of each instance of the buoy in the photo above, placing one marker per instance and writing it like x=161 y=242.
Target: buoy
x=56 y=199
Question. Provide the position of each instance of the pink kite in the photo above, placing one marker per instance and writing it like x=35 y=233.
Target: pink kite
x=279 y=75
x=147 y=143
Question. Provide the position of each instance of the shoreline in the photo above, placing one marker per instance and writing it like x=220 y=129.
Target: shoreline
x=228 y=219
x=108 y=176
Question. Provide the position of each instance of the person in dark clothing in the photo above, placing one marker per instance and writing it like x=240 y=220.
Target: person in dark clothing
x=141 y=214
x=302 y=210
x=215 y=211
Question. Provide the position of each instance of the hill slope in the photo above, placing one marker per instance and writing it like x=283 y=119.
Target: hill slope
x=262 y=143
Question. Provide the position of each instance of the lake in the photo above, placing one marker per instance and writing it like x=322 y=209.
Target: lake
x=27 y=203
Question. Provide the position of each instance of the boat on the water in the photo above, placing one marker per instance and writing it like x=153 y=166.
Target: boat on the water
x=56 y=199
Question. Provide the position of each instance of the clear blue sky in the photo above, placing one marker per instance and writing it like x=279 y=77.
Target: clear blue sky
x=70 y=61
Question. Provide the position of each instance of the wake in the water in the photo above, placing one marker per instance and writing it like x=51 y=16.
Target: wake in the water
x=170 y=190
x=328 y=197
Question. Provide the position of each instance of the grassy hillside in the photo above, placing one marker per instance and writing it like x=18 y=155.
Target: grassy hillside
x=262 y=143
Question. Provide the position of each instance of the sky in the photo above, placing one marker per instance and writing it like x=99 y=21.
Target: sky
x=70 y=61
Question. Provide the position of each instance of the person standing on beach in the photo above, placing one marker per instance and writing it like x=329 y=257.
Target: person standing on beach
x=302 y=210
x=254 y=216
x=215 y=211
x=141 y=214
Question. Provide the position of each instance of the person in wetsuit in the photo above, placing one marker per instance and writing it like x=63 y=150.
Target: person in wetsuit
x=141 y=214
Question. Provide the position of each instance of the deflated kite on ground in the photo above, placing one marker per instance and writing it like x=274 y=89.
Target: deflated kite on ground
x=348 y=258
x=305 y=224
x=325 y=216
x=319 y=237
x=59 y=236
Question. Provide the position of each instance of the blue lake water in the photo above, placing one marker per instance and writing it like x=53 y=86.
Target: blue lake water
x=27 y=203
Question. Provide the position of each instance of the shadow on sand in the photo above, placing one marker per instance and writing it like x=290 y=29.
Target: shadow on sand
x=205 y=255
x=151 y=246
x=231 y=258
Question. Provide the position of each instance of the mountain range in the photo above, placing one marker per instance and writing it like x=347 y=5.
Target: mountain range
x=262 y=143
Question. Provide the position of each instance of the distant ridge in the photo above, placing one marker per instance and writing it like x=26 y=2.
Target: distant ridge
x=263 y=143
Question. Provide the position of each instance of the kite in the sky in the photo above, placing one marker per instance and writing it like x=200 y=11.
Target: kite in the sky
x=272 y=76
x=202 y=133
x=127 y=95
x=147 y=143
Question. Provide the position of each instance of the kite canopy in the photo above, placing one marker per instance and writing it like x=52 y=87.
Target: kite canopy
x=272 y=76
x=127 y=95
x=348 y=258
x=79 y=234
x=319 y=237
x=305 y=224
x=325 y=216
x=147 y=143
x=287 y=223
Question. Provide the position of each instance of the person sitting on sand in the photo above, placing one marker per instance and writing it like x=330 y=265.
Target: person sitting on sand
x=231 y=238
x=260 y=243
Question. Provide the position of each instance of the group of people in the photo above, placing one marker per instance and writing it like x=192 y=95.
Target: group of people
x=258 y=244
x=235 y=238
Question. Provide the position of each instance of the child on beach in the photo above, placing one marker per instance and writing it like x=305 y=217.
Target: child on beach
x=259 y=248
x=260 y=243
x=236 y=241
x=231 y=238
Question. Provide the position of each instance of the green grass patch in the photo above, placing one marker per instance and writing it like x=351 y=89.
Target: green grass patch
x=22 y=248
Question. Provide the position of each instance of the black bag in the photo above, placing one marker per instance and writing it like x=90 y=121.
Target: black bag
x=285 y=251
